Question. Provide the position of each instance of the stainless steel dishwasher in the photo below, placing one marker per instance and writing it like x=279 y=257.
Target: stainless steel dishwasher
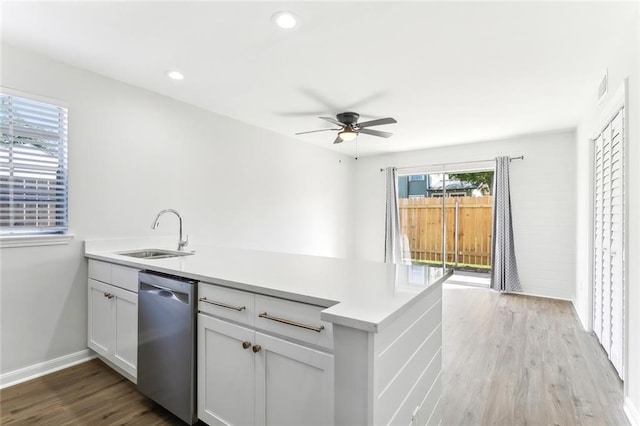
x=167 y=342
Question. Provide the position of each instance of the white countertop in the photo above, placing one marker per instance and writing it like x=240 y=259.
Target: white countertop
x=357 y=294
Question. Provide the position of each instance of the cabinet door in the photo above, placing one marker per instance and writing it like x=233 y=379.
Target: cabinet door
x=125 y=307
x=294 y=384
x=100 y=326
x=225 y=373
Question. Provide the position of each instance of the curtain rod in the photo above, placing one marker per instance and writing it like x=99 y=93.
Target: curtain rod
x=459 y=162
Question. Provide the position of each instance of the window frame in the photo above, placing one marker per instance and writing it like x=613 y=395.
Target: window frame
x=44 y=236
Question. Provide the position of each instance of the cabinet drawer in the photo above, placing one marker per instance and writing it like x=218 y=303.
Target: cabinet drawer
x=124 y=277
x=100 y=271
x=227 y=303
x=120 y=276
x=293 y=319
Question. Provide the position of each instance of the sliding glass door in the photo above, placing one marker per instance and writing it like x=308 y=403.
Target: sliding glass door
x=445 y=218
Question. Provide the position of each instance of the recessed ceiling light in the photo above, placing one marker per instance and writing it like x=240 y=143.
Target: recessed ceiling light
x=285 y=20
x=174 y=75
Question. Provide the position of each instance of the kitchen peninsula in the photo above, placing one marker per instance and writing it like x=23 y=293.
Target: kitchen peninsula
x=333 y=341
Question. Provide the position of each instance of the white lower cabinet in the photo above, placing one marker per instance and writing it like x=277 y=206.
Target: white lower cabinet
x=294 y=384
x=226 y=372
x=247 y=377
x=113 y=324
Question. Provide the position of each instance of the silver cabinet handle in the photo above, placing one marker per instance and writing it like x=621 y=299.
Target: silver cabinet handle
x=222 y=305
x=293 y=323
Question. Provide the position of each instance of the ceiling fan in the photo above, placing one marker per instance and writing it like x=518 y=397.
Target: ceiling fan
x=350 y=128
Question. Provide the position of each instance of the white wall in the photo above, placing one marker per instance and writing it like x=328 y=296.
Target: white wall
x=543 y=204
x=133 y=153
x=622 y=62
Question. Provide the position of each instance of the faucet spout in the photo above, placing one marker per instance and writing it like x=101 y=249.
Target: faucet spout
x=182 y=242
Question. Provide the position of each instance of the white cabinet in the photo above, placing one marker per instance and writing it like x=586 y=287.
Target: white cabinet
x=100 y=323
x=113 y=316
x=125 y=320
x=226 y=370
x=294 y=384
x=247 y=376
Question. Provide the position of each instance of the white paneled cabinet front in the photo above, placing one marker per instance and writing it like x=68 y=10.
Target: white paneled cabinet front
x=294 y=384
x=125 y=317
x=100 y=318
x=226 y=370
x=248 y=377
x=113 y=315
x=113 y=324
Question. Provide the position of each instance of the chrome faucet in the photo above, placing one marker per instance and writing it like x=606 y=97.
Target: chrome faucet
x=181 y=243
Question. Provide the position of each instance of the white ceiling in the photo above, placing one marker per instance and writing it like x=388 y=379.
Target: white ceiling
x=448 y=72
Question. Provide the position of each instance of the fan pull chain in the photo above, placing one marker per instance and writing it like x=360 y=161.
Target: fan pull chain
x=340 y=153
x=357 y=137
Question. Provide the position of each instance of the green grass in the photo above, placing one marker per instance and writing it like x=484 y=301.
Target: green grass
x=469 y=266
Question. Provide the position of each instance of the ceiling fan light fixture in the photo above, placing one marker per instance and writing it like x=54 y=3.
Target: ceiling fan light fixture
x=347 y=135
x=285 y=20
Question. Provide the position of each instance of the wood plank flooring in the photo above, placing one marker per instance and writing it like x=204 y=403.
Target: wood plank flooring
x=86 y=394
x=507 y=360
x=520 y=360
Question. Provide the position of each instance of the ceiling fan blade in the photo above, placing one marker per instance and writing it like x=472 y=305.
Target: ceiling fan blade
x=338 y=140
x=377 y=122
x=314 y=131
x=376 y=133
x=332 y=120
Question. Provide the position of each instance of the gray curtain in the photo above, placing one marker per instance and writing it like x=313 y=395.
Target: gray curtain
x=504 y=272
x=392 y=245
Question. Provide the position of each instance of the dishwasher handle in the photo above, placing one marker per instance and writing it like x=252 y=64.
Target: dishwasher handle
x=164 y=292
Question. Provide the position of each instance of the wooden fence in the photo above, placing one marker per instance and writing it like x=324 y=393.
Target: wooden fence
x=30 y=203
x=421 y=223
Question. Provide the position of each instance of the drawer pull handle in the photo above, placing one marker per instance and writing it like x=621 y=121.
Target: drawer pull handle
x=288 y=322
x=246 y=345
x=256 y=348
x=222 y=305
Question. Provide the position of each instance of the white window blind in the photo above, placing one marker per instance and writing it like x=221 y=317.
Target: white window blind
x=33 y=167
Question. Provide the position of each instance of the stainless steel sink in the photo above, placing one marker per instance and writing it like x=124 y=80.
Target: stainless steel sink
x=154 y=253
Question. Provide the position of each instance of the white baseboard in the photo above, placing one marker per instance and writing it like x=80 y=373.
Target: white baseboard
x=632 y=413
x=544 y=296
x=585 y=325
x=37 y=370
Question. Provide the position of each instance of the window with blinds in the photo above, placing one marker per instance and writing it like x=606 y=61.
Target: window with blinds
x=33 y=167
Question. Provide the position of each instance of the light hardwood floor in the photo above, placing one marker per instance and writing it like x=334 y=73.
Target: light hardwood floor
x=520 y=360
x=507 y=360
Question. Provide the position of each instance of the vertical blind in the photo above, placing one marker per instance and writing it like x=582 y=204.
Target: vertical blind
x=33 y=166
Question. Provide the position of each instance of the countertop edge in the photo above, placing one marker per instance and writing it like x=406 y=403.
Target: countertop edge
x=296 y=297
x=326 y=314
x=376 y=327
